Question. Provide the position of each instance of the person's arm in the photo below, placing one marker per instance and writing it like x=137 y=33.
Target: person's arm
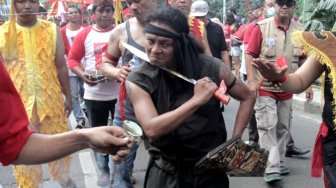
x=106 y=139
x=18 y=145
x=226 y=58
x=304 y=76
x=253 y=51
x=250 y=73
x=76 y=54
x=309 y=91
x=296 y=82
x=113 y=53
x=224 y=49
x=62 y=72
x=240 y=92
x=157 y=125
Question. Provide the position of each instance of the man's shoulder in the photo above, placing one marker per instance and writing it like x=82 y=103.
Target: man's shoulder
x=265 y=21
x=46 y=24
x=208 y=59
x=213 y=25
x=4 y=27
x=297 y=25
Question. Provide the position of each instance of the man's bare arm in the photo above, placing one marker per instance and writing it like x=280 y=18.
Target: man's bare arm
x=157 y=125
x=106 y=139
x=226 y=58
x=62 y=73
x=113 y=53
x=240 y=92
x=250 y=73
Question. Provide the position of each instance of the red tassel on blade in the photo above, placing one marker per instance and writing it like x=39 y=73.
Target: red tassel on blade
x=220 y=93
x=317 y=163
x=281 y=61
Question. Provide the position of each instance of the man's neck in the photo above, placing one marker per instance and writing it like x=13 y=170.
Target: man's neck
x=206 y=21
x=73 y=26
x=107 y=28
x=29 y=23
x=284 y=22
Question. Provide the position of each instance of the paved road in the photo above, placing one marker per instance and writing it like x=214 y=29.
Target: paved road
x=305 y=127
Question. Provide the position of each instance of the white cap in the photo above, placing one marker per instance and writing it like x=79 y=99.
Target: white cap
x=90 y=7
x=199 y=8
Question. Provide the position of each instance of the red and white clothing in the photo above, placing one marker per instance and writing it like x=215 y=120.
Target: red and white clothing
x=90 y=44
x=13 y=120
x=68 y=36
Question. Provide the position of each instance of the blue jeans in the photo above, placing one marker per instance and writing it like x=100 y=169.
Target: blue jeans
x=120 y=173
x=76 y=85
x=98 y=113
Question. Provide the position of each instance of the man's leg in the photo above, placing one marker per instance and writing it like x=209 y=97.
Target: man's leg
x=291 y=149
x=75 y=96
x=267 y=118
x=98 y=113
x=283 y=127
x=253 y=131
x=122 y=172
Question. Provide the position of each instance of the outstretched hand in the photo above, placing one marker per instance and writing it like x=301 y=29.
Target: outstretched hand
x=110 y=140
x=270 y=70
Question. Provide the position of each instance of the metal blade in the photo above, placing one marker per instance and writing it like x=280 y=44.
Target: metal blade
x=179 y=75
x=142 y=55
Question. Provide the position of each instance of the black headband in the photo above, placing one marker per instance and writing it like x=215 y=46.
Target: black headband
x=149 y=28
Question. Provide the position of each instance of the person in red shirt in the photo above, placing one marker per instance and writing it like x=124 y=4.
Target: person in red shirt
x=19 y=145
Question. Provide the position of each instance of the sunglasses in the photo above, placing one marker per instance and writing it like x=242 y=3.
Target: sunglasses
x=287 y=3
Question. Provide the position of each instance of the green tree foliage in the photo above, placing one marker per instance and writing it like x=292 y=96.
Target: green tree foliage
x=314 y=14
x=216 y=7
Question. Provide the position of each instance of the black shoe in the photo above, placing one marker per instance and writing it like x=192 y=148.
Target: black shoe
x=293 y=150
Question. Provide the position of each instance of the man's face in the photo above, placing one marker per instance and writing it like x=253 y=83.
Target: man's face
x=73 y=15
x=268 y=4
x=141 y=8
x=26 y=9
x=159 y=49
x=104 y=17
x=182 y=5
x=127 y=17
x=284 y=10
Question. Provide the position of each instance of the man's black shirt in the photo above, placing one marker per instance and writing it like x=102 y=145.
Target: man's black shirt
x=216 y=39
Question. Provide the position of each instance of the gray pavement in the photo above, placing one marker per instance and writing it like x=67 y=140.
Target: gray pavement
x=314 y=107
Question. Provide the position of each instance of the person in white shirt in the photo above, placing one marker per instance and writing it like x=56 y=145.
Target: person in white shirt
x=69 y=32
x=100 y=94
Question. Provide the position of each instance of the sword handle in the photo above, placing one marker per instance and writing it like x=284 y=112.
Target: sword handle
x=220 y=93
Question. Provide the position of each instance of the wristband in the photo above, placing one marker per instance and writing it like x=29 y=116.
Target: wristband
x=111 y=57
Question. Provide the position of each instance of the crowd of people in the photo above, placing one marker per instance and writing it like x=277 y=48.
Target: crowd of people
x=51 y=70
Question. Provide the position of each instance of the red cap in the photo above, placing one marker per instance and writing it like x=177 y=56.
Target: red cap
x=126 y=11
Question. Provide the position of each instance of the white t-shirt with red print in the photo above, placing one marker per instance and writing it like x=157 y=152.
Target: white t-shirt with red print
x=90 y=44
x=68 y=38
